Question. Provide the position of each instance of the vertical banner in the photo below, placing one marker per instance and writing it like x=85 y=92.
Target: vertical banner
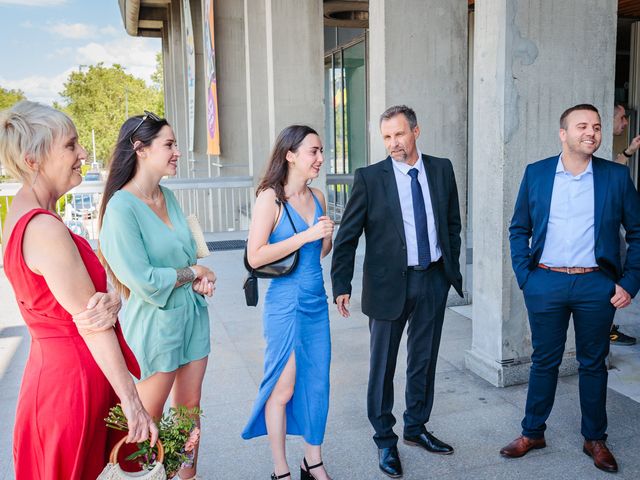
x=213 y=128
x=191 y=69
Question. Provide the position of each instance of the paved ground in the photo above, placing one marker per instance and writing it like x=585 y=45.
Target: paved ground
x=475 y=417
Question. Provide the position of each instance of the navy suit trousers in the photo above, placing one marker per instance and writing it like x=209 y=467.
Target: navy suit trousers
x=551 y=299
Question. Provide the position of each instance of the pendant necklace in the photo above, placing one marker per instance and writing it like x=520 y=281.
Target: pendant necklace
x=148 y=197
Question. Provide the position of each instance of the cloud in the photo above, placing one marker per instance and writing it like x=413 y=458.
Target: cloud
x=39 y=88
x=136 y=54
x=34 y=3
x=64 y=52
x=71 y=30
x=110 y=30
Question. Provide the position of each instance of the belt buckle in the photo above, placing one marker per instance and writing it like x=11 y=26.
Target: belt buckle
x=576 y=270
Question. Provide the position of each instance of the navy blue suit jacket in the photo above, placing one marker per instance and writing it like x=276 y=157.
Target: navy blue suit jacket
x=616 y=203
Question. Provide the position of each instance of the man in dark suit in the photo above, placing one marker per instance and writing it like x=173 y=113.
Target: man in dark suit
x=407 y=206
x=565 y=253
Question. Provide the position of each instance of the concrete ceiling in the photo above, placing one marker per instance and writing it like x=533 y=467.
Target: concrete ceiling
x=145 y=18
x=626 y=8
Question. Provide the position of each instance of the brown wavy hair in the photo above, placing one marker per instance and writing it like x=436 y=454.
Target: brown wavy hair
x=277 y=170
x=123 y=165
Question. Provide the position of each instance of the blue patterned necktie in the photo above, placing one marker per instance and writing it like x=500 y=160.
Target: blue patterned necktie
x=420 y=216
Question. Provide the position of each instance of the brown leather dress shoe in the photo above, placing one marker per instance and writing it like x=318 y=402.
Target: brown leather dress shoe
x=602 y=456
x=521 y=445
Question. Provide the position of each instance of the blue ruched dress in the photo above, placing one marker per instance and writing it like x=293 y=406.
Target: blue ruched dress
x=296 y=319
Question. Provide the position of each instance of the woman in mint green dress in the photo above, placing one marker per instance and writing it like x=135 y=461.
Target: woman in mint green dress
x=151 y=257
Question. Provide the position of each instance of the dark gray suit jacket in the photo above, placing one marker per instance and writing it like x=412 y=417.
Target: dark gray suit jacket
x=374 y=207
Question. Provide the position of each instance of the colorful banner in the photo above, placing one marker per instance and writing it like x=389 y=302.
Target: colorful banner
x=191 y=69
x=213 y=128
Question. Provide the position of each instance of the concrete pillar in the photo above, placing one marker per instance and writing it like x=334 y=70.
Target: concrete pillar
x=257 y=133
x=295 y=67
x=533 y=59
x=283 y=78
x=418 y=57
x=229 y=23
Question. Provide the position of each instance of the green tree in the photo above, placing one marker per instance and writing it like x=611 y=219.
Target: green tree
x=157 y=84
x=9 y=97
x=99 y=99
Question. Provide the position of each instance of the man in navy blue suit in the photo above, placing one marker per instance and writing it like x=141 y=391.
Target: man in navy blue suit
x=565 y=253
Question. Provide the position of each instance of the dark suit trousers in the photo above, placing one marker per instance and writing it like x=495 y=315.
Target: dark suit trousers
x=551 y=299
x=424 y=311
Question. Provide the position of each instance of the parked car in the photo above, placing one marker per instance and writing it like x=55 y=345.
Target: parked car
x=77 y=227
x=82 y=205
x=92 y=176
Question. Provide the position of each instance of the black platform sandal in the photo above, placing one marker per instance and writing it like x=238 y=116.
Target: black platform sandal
x=284 y=475
x=306 y=474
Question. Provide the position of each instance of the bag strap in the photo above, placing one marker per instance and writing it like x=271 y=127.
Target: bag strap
x=286 y=210
x=289 y=217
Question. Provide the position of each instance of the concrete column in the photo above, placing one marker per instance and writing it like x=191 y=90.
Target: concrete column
x=257 y=134
x=418 y=57
x=230 y=47
x=176 y=111
x=533 y=59
x=295 y=68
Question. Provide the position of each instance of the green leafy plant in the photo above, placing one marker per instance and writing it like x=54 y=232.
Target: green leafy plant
x=179 y=434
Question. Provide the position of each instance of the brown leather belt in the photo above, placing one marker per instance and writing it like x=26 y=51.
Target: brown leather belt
x=570 y=270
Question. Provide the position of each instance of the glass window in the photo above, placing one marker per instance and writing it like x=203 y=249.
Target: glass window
x=355 y=107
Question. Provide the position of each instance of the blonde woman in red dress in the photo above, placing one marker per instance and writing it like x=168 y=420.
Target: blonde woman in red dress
x=78 y=365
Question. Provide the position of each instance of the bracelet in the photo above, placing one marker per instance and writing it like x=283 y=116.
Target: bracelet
x=624 y=152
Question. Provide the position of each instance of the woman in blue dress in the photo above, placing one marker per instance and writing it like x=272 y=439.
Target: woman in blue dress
x=294 y=394
x=151 y=257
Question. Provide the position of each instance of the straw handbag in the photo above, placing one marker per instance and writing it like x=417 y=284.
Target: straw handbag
x=202 y=250
x=113 y=471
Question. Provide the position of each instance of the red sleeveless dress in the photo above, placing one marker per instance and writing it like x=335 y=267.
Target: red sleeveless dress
x=59 y=430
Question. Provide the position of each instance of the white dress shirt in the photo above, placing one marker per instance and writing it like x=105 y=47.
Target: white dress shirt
x=403 y=181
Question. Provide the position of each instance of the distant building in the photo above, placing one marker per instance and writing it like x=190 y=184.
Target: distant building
x=488 y=80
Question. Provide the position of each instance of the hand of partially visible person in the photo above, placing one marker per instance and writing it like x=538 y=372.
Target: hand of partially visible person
x=203 y=286
x=634 y=146
x=322 y=229
x=342 y=302
x=101 y=313
x=620 y=298
x=141 y=425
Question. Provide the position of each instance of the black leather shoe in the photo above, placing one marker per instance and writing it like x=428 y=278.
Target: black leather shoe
x=430 y=443
x=389 y=462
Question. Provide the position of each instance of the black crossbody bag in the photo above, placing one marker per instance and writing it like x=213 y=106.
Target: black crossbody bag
x=278 y=268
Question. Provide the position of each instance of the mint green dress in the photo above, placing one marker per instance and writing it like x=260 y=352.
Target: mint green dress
x=166 y=327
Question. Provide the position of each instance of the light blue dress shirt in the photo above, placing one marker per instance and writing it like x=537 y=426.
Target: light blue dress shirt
x=403 y=181
x=570 y=239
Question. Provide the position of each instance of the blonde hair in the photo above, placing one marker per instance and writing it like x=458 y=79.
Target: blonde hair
x=29 y=129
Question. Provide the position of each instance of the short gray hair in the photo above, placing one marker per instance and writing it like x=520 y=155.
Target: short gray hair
x=408 y=112
x=29 y=128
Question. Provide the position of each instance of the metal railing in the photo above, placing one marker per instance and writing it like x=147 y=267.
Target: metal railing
x=222 y=204
x=338 y=193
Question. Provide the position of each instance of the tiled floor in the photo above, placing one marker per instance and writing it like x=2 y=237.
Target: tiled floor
x=474 y=416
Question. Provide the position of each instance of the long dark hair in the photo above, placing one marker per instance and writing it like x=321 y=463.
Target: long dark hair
x=122 y=168
x=277 y=169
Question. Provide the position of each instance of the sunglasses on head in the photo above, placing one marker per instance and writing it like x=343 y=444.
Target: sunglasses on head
x=146 y=115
